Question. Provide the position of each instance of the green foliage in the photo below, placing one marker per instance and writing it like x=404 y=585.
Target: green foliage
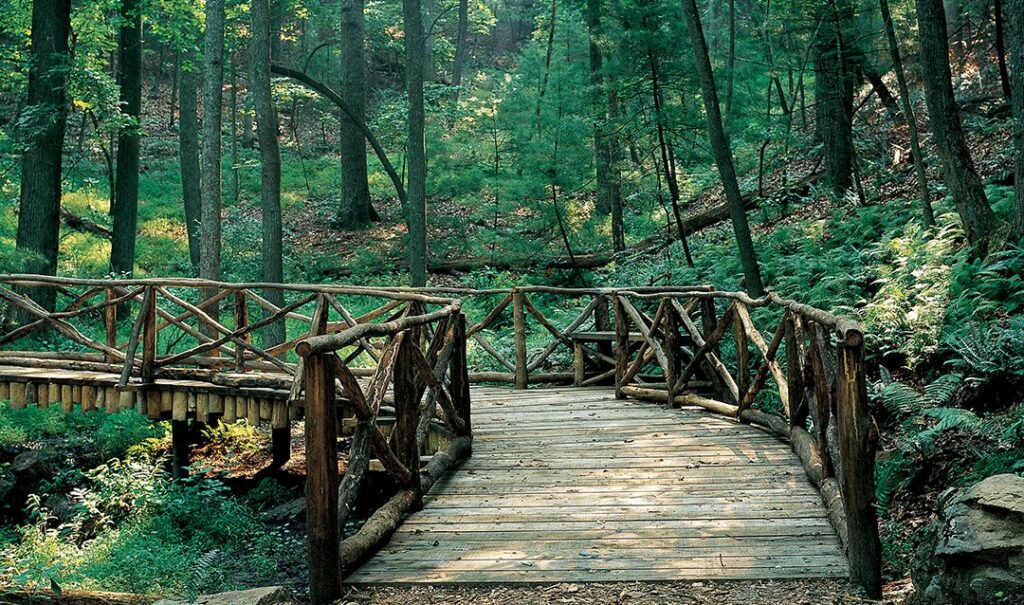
x=135 y=530
x=111 y=435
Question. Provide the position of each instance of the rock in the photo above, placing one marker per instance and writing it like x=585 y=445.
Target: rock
x=977 y=553
x=268 y=595
x=292 y=509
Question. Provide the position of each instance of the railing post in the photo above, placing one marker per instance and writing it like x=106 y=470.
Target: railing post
x=621 y=345
x=671 y=347
x=110 y=324
x=241 y=321
x=522 y=376
x=151 y=395
x=797 y=411
x=742 y=359
x=857 y=441
x=460 y=375
x=322 y=481
x=407 y=412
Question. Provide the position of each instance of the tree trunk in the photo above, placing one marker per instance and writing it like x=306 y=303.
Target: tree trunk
x=355 y=206
x=188 y=146
x=129 y=76
x=270 y=164
x=461 y=40
x=731 y=61
x=927 y=214
x=417 y=155
x=1016 y=37
x=834 y=95
x=618 y=227
x=1004 y=74
x=42 y=131
x=723 y=151
x=213 y=111
x=599 y=112
x=957 y=167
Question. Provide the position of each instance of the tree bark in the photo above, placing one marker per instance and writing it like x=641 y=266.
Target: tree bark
x=129 y=76
x=461 y=41
x=188 y=146
x=723 y=151
x=42 y=130
x=599 y=112
x=731 y=61
x=957 y=167
x=355 y=206
x=417 y=156
x=270 y=164
x=927 y=214
x=213 y=111
x=834 y=95
x=1004 y=74
x=1016 y=38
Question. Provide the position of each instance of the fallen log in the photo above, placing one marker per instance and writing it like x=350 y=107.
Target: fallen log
x=84 y=225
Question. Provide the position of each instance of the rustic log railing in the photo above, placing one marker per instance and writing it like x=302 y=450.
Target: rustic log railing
x=794 y=370
x=423 y=369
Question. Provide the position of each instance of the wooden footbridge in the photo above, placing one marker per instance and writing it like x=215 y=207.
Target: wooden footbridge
x=674 y=439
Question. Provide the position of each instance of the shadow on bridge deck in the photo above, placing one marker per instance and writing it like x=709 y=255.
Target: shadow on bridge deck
x=572 y=485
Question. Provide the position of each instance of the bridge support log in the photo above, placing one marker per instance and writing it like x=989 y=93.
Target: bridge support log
x=322 y=481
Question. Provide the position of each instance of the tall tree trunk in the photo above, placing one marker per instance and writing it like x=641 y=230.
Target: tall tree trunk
x=1016 y=37
x=461 y=40
x=957 y=167
x=1004 y=74
x=731 y=61
x=417 y=155
x=42 y=131
x=129 y=75
x=213 y=112
x=355 y=206
x=615 y=193
x=188 y=147
x=667 y=157
x=599 y=112
x=723 y=151
x=834 y=95
x=175 y=73
x=270 y=164
x=927 y=214
x=233 y=126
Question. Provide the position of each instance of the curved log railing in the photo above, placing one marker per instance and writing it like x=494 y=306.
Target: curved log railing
x=794 y=370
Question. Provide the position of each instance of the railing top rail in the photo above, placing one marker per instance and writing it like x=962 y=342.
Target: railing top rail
x=847 y=329
x=332 y=342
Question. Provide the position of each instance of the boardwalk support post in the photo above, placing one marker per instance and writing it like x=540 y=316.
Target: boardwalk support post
x=621 y=345
x=857 y=441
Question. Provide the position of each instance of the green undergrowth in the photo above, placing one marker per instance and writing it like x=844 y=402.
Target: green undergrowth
x=107 y=515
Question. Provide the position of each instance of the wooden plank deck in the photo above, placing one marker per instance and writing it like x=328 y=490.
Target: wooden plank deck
x=572 y=485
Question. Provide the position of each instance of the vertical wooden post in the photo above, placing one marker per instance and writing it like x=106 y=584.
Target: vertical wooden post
x=742 y=359
x=149 y=338
x=522 y=376
x=280 y=433
x=822 y=396
x=670 y=325
x=407 y=412
x=603 y=323
x=857 y=441
x=110 y=324
x=621 y=345
x=241 y=321
x=709 y=323
x=180 y=443
x=460 y=374
x=579 y=363
x=322 y=481
x=797 y=411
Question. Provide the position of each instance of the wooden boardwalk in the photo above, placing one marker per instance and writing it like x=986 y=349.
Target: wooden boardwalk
x=572 y=485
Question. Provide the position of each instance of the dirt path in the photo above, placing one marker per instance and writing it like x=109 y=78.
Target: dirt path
x=804 y=592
